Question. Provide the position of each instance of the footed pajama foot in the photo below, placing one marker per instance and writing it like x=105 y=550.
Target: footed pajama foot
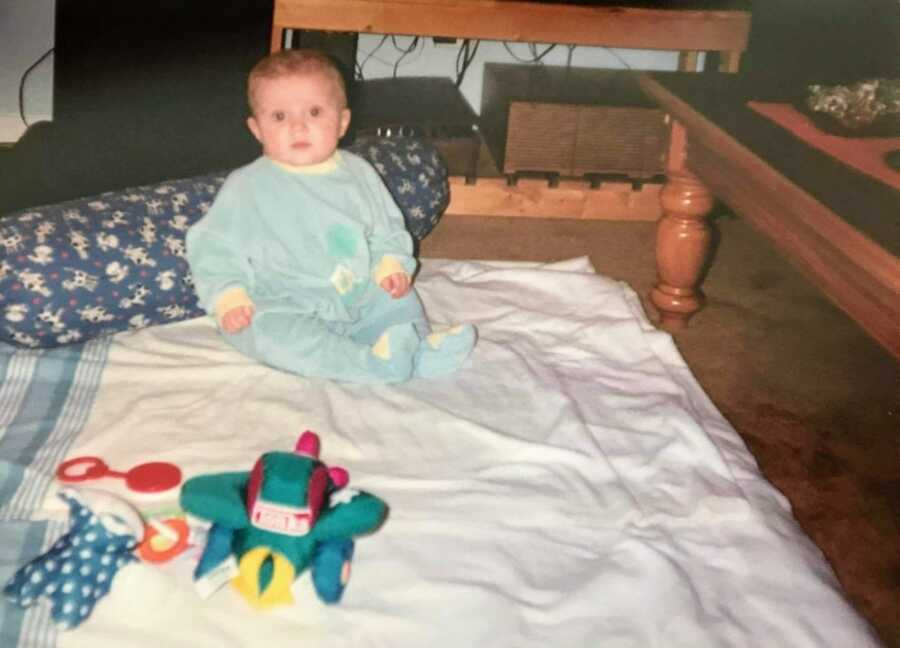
x=394 y=353
x=445 y=351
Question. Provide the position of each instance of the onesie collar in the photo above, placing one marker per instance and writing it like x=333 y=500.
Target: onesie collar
x=326 y=166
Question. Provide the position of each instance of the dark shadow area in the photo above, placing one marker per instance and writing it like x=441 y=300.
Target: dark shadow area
x=141 y=93
x=798 y=42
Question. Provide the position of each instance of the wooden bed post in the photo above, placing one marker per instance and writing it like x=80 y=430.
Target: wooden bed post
x=277 y=42
x=682 y=238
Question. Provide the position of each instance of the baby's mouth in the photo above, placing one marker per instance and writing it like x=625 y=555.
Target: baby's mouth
x=300 y=145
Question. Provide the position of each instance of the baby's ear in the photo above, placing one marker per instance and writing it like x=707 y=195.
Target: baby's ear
x=345 y=120
x=253 y=125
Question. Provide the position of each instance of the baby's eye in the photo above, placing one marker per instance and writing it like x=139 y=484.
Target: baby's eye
x=278 y=115
x=315 y=111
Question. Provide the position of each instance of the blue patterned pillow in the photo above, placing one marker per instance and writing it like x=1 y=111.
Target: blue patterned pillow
x=415 y=175
x=82 y=268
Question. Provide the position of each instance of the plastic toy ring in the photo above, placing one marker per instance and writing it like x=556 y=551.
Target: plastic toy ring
x=163 y=540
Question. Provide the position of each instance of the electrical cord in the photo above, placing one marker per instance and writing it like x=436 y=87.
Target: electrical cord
x=404 y=52
x=464 y=57
x=535 y=57
x=621 y=60
x=360 y=66
x=22 y=84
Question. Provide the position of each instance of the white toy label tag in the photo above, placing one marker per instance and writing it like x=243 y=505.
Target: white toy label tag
x=213 y=580
x=280 y=518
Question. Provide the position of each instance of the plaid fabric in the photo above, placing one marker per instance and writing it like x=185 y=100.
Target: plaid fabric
x=45 y=396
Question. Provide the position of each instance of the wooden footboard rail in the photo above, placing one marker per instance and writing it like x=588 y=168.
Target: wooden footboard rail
x=536 y=198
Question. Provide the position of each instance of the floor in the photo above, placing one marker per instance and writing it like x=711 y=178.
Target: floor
x=815 y=399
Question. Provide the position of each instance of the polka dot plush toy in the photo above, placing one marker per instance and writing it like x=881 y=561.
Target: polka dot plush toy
x=79 y=568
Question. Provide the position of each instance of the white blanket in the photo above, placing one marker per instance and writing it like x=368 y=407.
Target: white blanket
x=572 y=486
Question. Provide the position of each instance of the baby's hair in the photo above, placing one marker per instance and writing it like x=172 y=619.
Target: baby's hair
x=295 y=61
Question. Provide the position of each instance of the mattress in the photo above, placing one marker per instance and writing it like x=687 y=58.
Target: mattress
x=572 y=485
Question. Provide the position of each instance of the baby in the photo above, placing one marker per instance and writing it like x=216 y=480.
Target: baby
x=304 y=259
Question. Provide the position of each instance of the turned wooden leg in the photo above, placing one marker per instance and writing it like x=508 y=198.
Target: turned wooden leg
x=682 y=243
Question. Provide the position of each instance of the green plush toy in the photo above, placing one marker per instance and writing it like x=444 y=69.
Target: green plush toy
x=289 y=513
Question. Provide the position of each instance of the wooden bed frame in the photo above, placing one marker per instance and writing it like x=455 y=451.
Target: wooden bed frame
x=709 y=26
x=839 y=227
x=688 y=31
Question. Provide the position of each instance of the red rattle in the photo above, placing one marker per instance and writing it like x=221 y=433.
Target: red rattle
x=151 y=477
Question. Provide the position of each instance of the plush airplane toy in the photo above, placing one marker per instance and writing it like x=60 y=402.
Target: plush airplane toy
x=288 y=513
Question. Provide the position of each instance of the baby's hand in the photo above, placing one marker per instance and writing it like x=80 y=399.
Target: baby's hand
x=396 y=285
x=237 y=319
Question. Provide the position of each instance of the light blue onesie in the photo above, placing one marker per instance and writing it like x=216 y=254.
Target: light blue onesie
x=305 y=246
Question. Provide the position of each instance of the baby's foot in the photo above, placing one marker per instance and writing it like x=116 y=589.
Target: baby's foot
x=394 y=352
x=444 y=351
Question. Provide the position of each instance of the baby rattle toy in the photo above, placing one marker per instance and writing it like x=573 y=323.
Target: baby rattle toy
x=290 y=512
x=151 y=477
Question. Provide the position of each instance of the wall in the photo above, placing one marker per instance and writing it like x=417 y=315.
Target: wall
x=26 y=32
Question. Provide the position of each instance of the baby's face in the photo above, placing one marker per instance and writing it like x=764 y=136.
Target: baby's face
x=299 y=119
